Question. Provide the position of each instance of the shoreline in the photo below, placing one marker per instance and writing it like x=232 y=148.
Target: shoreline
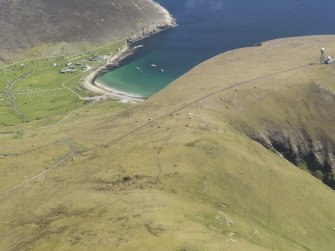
x=89 y=82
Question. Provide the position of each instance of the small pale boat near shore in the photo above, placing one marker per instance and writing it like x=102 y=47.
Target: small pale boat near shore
x=139 y=69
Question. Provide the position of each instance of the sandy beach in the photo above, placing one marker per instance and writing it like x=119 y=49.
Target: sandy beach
x=90 y=83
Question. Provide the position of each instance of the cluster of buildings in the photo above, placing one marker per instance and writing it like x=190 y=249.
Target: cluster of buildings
x=69 y=68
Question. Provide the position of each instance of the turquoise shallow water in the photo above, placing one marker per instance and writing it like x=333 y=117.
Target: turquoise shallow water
x=207 y=28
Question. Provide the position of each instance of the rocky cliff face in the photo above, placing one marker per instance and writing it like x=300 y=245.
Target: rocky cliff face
x=27 y=23
x=301 y=149
x=305 y=136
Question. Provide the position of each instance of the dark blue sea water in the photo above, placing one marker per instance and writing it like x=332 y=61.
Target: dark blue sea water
x=209 y=27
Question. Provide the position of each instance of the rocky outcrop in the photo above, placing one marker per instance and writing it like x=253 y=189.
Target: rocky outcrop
x=303 y=150
x=148 y=31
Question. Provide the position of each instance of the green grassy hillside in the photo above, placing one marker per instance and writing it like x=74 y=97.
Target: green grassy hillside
x=42 y=95
x=180 y=171
x=33 y=27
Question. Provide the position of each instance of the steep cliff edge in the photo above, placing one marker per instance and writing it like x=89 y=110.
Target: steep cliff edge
x=294 y=118
x=314 y=154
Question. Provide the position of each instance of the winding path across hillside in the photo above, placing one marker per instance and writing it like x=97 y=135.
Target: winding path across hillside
x=72 y=153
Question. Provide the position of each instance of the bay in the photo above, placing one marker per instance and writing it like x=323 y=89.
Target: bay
x=209 y=27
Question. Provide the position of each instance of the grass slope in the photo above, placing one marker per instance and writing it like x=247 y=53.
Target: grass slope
x=46 y=93
x=176 y=172
x=68 y=24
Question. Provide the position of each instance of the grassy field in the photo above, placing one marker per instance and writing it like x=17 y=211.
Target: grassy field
x=178 y=172
x=44 y=94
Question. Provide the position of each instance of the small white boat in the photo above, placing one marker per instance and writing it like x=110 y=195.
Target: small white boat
x=162 y=70
x=154 y=65
x=138 y=68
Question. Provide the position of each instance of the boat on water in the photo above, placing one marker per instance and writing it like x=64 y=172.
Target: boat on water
x=153 y=65
x=139 y=69
x=162 y=70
